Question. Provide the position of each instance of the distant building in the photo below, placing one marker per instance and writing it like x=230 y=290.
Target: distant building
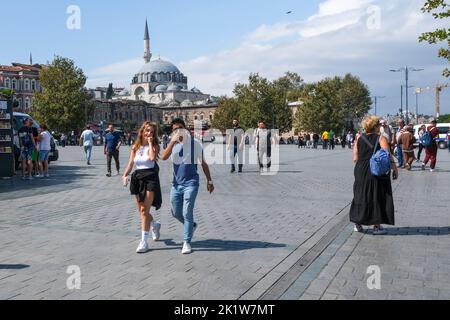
x=161 y=84
x=24 y=80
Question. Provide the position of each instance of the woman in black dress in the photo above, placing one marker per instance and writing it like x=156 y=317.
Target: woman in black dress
x=373 y=203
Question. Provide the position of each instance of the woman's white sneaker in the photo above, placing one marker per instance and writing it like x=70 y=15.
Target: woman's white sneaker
x=186 y=248
x=358 y=228
x=156 y=231
x=143 y=247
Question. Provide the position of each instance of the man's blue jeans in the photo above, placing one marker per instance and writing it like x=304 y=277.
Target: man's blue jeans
x=183 y=202
x=400 y=155
x=88 y=151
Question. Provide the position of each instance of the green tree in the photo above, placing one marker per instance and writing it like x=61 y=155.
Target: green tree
x=330 y=102
x=63 y=104
x=110 y=92
x=440 y=9
x=444 y=118
x=263 y=99
x=228 y=108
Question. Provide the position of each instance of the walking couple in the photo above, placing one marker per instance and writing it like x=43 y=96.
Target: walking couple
x=186 y=153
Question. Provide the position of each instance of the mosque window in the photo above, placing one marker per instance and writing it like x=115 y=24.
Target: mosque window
x=33 y=85
x=27 y=84
x=14 y=85
x=7 y=83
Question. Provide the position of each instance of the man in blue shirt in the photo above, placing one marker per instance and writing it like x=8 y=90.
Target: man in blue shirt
x=112 y=146
x=186 y=154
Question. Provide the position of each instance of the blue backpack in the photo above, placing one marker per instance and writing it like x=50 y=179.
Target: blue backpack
x=427 y=139
x=380 y=163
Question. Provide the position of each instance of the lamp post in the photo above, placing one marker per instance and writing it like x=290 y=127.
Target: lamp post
x=375 y=99
x=407 y=70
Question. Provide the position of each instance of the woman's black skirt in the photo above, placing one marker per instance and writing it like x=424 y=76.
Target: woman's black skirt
x=147 y=180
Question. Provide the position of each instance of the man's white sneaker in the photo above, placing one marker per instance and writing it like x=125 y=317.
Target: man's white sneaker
x=156 y=231
x=186 y=248
x=142 y=248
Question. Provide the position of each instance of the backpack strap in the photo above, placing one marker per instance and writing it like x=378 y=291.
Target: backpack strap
x=370 y=144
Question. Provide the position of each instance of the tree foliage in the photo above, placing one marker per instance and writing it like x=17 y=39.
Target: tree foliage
x=331 y=103
x=440 y=9
x=444 y=118
x=228 y=108
x=110 y=92
x=64 y=104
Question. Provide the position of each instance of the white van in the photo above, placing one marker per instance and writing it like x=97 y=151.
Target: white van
x=443 y=130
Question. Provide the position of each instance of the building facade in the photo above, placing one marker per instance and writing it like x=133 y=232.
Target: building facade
x=23 y=79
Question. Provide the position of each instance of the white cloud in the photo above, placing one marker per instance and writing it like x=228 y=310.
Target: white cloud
x=334 y=41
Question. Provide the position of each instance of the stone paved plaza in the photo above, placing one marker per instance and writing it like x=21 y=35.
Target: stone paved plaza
x=283 y=236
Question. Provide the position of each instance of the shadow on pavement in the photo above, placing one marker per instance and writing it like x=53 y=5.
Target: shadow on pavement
x=13 y=266
x=414 y=231
x=61 y=178
x=226 y=245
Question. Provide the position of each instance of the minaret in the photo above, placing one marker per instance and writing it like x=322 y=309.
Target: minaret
x=147 y=53
x=31 y=59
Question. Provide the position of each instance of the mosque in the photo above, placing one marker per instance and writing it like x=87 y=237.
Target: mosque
x=161 y=83
x=158 y=92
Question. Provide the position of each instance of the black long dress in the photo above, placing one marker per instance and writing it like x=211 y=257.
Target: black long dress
x=373 y=203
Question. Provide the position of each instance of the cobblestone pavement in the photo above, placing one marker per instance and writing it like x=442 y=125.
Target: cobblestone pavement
x=252 y=231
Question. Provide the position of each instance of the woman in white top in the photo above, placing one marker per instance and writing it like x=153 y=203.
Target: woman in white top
x=44 y=151
x=145 y=183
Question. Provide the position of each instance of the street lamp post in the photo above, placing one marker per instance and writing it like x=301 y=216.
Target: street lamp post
x=407 y=70
x=376 y=102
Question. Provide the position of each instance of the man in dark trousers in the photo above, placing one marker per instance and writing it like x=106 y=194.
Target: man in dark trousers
x=112 y=146
x=236 y=142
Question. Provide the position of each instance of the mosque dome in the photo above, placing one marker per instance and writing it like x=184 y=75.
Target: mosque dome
x=187 y=103
x=159 y=66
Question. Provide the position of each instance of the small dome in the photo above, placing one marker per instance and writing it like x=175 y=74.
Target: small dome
x=187 y=103
x=173 y=104
x=161 y=88
x=173 y=87
x=158 y=66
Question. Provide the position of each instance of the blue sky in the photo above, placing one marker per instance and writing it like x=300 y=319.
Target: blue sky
x=113 y=31
x=218 y=43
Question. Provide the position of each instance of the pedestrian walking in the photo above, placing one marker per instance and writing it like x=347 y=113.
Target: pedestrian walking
x=401 y=125
x=350 y=139
x=44 y=151
x=27 y=146
x=145 y=184
x=430 y=145
x=113 y=143
x=331 y=137
x=63 y=140
x=308 y=140
x=343 y=140
x=87 y=142
x=422 y=130
x=373 y=202
x=388 y=132
x=264 y=145
x=236 y=145
x=407 y=142
x=186 y=154
x=325 y=140
x=315 y=140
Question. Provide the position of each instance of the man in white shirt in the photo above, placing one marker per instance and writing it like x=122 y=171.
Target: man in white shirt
x=87 y=141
